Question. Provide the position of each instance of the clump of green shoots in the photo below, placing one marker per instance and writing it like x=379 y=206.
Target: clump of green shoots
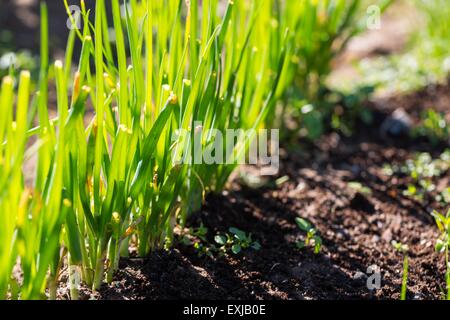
x=422 y=170
x=434 y=127
x=443 y=243
x=403 y=249
x=312 y=238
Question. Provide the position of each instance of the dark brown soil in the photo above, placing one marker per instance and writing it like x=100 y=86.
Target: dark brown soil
x=356 y=229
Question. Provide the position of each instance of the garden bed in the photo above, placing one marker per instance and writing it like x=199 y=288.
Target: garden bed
x=357 y=229
x=353 y=189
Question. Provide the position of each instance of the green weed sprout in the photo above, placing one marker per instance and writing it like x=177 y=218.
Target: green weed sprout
x=443 y=243
x=312 y=238
x=236 y=241
x=403 y=249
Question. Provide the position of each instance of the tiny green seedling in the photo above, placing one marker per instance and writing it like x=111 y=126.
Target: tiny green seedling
x=443 y=243
x=204 y=250
x=403 y=249
x=421 y=170
x=196 y=237
x=236 y=241
x=312 y=237
x=194 y=233
x=200 y=232
x=444 y=196
x=415 y=192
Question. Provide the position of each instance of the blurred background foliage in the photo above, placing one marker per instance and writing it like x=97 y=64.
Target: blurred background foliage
x=324 y=97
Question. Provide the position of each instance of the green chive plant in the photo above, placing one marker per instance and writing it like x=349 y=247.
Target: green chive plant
x=138 y=179
x=13 y=196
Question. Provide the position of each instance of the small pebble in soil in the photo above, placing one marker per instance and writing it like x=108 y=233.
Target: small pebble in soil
x=398 y=124
x=360 y=277
x=418 y=296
